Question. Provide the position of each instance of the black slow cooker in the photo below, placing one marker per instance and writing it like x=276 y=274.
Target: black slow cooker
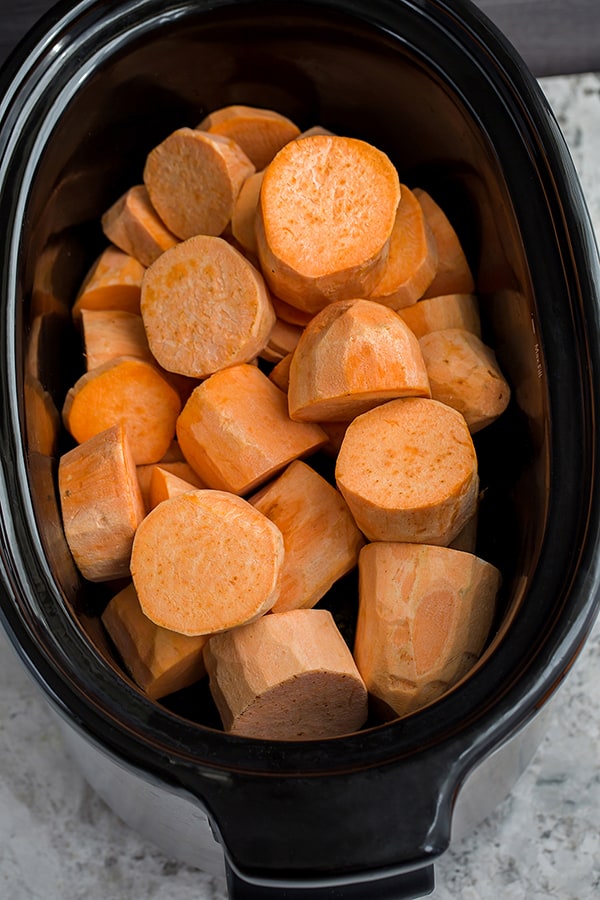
x=434 y=84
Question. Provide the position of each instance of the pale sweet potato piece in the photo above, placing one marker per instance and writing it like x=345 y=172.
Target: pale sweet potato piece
x=159 y=661
x=205 y=561
x=453 y=274
x=101 y=504
x=193 y=179
x=445 y=311
x=261 y=133
x=235 y=431
x=326 y=213
x=413 y=257
x=127 y=390
x=205 y=307
x=133 y=224
x=408 y=471
x=288 y=676
x=425 y=613
x=113 y=282
x=352 y=356
x=464 y=373
x=320 y=536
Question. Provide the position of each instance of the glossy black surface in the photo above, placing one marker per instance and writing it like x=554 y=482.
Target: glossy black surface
x=438 y=90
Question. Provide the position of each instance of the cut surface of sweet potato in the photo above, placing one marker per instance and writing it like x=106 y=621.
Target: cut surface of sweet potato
x=408 y=471
x=205 y=307
x=206 y=561
x=193 y=179
x=445 y=311
x=326 y=213
x=453 y=275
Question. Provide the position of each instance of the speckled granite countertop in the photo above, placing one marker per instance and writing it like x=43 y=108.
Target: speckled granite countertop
x=58 y=841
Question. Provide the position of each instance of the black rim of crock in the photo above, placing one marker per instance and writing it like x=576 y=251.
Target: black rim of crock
x=467 y=723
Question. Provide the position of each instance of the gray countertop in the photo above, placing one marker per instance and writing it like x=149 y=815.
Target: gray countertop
x=58 y=841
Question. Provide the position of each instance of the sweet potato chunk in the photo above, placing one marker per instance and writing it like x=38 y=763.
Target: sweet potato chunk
x=425 y=613
x=287 y=676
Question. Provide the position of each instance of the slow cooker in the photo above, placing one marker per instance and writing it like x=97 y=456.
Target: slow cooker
x=437 y=87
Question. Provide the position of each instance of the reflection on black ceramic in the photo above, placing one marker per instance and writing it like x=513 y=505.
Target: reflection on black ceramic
x=440 y=93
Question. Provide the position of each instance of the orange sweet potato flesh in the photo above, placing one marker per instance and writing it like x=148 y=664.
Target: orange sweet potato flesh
x=412 y=259
x=130 y=391
x=113 y=282
x=408 y=471
x=205 y=307
x=133 y=224
x=453 y=274
x=165 y=484
x=159 y=661
x=101 y=504
x=259 y=132
x=425 y=613
x=445 y=311
x=464 y=373
x=193 y=179
x=177 y=467
x=320 y=536
x=288 y=676
x=326 y=213
x=206 y=561
x=352 y=356
x=236 y=433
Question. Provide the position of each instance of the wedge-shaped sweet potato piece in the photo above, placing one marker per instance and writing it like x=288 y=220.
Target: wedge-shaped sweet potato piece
x=165 y=484
x=236 y=433
x=464 y=373
x=413 y=258
x=133 y=224
x=113 y=282
x=352 y=356
x=287 y=676
x=127 y=390
x=408 y=471
x=453 y=274
x=259 y=132
x=205 y=561
x=101 y=504
x=445 y=311
x=159 y=661
x=179 y=468
x=326 y=212
x=320 y=536
x=425 y=613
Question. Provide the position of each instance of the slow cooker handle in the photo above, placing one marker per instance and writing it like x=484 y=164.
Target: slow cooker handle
x=403 y=886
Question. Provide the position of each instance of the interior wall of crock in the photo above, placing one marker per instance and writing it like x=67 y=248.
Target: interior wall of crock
x=349 y=79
